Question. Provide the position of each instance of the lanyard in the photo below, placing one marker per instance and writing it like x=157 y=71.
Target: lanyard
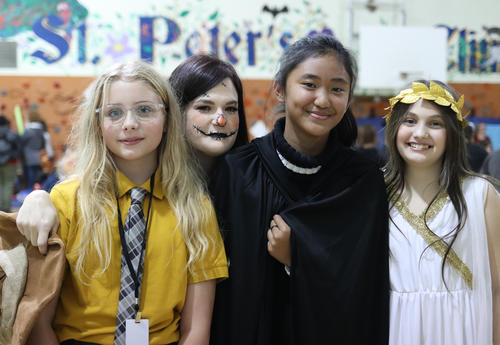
x=135 y=276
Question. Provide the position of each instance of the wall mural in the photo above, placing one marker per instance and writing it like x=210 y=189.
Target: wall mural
x=67 y=38
x=473 y=52
x=56 y=98
x=57 y=39
x=20 y=16
x=64 y=35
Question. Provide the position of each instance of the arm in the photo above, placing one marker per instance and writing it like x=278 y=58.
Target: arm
x=197 y=313
x=42 y=332
x=48 y=145
x=278 y=240
x=18 y=148
x=37 y=219
x=493 y=232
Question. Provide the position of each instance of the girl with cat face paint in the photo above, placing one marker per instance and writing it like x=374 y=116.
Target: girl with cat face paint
x=212 y=121
x=211 y=98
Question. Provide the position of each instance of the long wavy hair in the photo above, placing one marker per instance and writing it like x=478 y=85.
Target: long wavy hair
x=455 y=166
x=316 y=46
x=182 y=184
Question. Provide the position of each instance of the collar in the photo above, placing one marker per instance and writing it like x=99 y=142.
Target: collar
x=297 y=162
x=297 y=169
x=124 y=184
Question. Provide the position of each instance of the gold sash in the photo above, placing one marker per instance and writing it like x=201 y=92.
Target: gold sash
x=434 y=241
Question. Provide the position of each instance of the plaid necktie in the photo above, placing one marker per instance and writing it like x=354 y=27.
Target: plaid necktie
x=134 y=235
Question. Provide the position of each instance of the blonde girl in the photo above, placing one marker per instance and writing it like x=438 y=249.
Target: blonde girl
x=130 y=134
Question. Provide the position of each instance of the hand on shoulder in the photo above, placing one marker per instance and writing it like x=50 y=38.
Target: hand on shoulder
x=37 y=219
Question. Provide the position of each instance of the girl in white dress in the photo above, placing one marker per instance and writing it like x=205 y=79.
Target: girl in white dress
x=444 y=226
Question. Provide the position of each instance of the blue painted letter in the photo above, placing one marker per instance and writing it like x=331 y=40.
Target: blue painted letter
x=42 y=29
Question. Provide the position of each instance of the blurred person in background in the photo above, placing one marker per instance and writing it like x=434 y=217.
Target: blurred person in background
x=481 y=138
x=491 y=165
x=33 y=141
x=476 y=153
x=63 y=168
x=9 y=153
x=368 y=141
x=47 y=154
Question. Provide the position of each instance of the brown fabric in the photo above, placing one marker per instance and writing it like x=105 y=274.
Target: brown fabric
x=14 y=263
x=2 y=279
x=45 y=274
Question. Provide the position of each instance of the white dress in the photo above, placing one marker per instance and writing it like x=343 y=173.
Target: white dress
x=423 y=310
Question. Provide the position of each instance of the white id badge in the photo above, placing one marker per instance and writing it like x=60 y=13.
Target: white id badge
x=137 y=333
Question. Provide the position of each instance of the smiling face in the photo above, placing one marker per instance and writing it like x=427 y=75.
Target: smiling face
x=421 y=137
x=212 y=120
x=132 y=139
x=316 y=97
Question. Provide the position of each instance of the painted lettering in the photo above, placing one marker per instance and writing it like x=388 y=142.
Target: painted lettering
x=82 y=30
x=285 y=39
x=214 y=41
x=251 y=37
x=193 y=44
x=147 y=38
x=43 y=29
x=228 y=49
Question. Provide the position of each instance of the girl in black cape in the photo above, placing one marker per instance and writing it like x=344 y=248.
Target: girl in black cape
x=320 y=274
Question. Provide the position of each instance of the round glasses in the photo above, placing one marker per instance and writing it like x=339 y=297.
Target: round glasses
x=143 y=111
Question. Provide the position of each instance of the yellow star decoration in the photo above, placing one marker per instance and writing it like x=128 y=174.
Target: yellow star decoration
x=435 y=93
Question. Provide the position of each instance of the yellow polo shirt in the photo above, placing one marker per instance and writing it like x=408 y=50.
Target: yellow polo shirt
x=87 y=311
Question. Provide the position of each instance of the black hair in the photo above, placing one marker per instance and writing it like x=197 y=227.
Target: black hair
x=200 y=73
x=468 y=132
x=4 y=121
x=367 y=134
x=316 y=46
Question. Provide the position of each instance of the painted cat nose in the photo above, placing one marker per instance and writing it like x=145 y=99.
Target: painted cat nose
x=220 y=120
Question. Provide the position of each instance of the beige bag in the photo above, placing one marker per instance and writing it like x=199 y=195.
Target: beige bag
x=28 y=280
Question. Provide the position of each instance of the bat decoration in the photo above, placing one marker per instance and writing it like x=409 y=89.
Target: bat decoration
x=491 y=30
x=274 y=10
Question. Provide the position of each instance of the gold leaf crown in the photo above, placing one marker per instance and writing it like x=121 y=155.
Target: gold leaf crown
x=435 y=93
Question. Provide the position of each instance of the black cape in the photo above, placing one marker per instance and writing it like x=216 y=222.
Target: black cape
x=338 y=290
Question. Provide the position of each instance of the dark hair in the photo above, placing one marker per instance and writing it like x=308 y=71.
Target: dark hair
x=455 y=164
x=200 y=73
x=4 y=121
x=34 y=116
x=367 y=134
x=316 y=46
